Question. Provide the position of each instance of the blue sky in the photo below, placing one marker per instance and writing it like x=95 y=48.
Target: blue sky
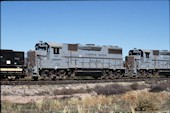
x=128 y=24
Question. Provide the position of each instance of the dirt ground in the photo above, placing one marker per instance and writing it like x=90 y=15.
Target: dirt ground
x=29 y=93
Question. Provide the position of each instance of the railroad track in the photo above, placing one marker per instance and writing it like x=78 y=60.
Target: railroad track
x=58 y=82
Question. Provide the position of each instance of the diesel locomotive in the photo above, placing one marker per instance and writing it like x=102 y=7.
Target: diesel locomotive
x=56 y=60
x=147 y=63
x=62 y=60
x=12 y=64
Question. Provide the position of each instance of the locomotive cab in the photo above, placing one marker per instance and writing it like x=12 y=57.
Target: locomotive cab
x=136 y=52
x=41 y=46
x=137 y=61
x=48 y=50
x=45 y=55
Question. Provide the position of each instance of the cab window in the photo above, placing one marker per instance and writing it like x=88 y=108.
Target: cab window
x=147 y=55
x=56 y=50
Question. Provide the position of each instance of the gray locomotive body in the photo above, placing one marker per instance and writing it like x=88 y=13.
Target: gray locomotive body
x=146 y=63
x=56 y=60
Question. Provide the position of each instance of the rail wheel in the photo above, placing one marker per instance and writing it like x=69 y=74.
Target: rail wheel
x=156 y=73
x=119 y=75
x=71 y=74
x=17 y=77
x=143 y=74
x=35 y=78
x=105 y=74
x=10 y=78
x=52 y=75
x=149 y=75
x=44 y=74
x=139 y=74
x=112 y=75
x=62 y=74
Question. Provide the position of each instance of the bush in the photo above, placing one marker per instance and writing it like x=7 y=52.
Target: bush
x=111 y=89
x=136 y=86
x=148 y=102
x=157 y=88
x=163 y=86
x=69 y=91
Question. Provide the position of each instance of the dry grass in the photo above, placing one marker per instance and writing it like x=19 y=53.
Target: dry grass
x=145 y=101
x=101 y=99
x=130 y=101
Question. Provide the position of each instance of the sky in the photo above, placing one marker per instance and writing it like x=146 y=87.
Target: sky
x=127 y=24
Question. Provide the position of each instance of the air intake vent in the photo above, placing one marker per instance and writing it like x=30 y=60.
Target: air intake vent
x=31 y=58
x=90 y=44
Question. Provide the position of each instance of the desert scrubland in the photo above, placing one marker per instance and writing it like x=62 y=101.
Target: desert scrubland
x=124 y=97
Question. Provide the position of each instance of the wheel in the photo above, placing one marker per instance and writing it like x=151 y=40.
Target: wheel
x=52 y=75
x=44 y=74
x=62 y=74
x=139 y=74
x=112 y=75
x=17 y=77
x=10 y=78
x=119 y=75
x=95 y=77
x=105 y=75
x=35 y=78
x=149 y=75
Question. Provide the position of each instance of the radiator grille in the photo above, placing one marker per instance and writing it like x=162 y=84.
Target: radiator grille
x=31 y=58
x=130 y=62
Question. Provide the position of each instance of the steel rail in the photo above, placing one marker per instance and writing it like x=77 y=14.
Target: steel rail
x=66 y=82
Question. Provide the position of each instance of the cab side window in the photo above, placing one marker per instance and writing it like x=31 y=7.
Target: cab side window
x=147 y=55
x=56 y=50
